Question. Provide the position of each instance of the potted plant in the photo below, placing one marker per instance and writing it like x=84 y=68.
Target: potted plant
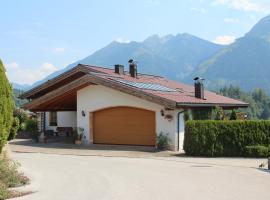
x=163 y=141
x=35 y=136
x=78 y=135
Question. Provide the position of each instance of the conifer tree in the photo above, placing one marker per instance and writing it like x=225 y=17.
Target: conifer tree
x=6 y=106
x=233 y=115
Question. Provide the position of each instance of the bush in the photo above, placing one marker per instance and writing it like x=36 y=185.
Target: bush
x=163 y=141
x=224 y=138
x=14 y=128
x=6 y=106
x=10 y=177
x=257 y=151
x=187 y=115
x=4 y=193
x=233 y=115
x=31 y=125
x=218 y=113
x=21 y=115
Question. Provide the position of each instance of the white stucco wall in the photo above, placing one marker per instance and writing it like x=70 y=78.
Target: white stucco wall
x=181 y=131
x=64 y=119
x=96 y=97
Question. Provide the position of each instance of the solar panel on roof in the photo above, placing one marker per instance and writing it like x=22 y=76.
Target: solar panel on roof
x=148 y=86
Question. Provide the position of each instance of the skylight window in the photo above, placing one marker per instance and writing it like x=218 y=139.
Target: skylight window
x=148 y=86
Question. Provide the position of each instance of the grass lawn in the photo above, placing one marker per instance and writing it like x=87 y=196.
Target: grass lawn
x=10 y=177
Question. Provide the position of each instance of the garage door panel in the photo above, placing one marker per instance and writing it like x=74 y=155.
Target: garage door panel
x=124 y=125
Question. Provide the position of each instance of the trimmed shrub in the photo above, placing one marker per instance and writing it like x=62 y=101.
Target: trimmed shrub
x=15 y=127
x=257 y=151
x=163 y=141
x=6 y=106
x=224 y=138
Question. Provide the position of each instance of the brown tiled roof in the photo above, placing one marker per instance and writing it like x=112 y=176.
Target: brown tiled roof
x=183 y=94
x=166 y=92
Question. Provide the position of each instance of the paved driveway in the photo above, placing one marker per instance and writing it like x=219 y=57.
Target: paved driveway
x=64 y=177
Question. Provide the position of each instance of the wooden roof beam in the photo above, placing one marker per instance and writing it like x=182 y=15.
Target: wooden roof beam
x=79 y=68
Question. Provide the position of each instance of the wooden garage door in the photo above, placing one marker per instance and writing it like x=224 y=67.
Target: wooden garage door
x=124 y=125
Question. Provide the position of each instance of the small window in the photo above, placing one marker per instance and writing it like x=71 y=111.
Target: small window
x=53 y=118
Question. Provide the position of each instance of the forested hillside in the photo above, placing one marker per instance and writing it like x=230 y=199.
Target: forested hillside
x=259 y=101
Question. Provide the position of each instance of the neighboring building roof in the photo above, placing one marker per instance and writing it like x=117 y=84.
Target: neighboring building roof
x=150 y=87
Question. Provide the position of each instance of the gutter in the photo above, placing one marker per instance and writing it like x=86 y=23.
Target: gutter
x=178 y=128
x=210 y=105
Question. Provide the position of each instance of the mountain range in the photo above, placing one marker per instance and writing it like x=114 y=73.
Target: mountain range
x=245 y=63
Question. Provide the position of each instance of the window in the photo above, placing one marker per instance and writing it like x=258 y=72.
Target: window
x=53 y=118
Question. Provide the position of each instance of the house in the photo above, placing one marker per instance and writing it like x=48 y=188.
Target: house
x=115 y=106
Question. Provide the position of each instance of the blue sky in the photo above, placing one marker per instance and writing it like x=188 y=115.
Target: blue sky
x=39 y=37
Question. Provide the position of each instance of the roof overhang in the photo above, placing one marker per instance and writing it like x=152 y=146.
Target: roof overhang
x=56 y=82
x=61 y=99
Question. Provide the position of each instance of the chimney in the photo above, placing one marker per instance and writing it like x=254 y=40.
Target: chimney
x=132 y=68
x=119 y=69
x=199 y=88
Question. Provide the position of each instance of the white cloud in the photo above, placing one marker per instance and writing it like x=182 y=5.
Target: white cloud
x=58 y=50
x=122 y=40
x=231 y=20
x=225 y=39
x=245 y=5
x=12 y=66
x=200 y=10
x=22 y=75
x=47 y=67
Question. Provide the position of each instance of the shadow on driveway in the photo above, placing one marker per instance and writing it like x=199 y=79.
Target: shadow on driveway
x=29 y=146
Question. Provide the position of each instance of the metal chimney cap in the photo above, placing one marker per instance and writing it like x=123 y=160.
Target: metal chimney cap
x=198 y=78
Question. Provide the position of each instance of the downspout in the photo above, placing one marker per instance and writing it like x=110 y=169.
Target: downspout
x=178 y=128
x=44 y=122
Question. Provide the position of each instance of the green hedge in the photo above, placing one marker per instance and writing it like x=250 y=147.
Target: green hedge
x=224 y=138
x=257 y=151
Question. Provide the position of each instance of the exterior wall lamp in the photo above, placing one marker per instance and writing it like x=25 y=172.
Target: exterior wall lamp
x=162 y=112
x=83 y=113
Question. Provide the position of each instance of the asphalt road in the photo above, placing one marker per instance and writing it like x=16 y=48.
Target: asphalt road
x=64 y=177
